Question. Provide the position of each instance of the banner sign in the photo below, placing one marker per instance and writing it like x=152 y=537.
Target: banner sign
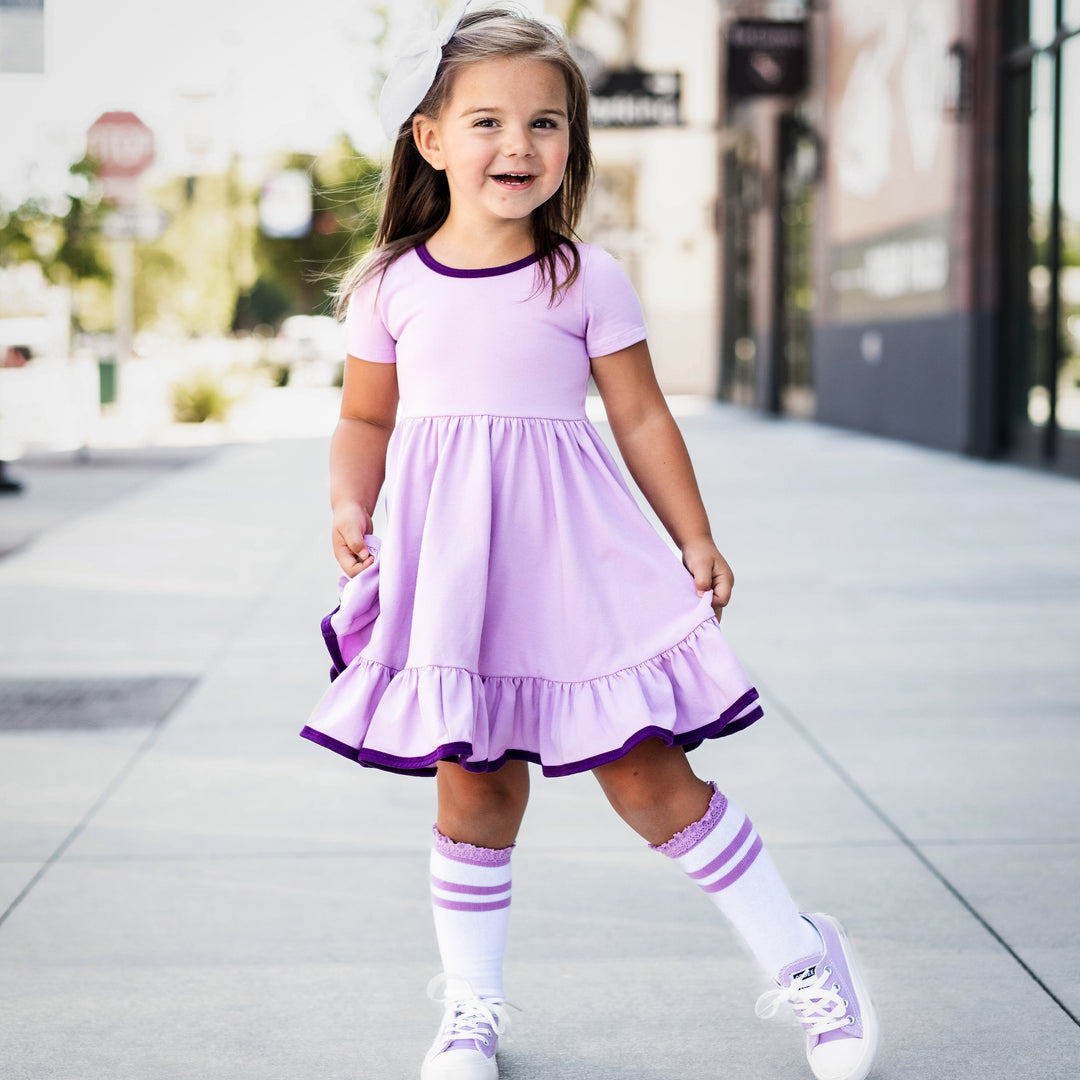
x=766 y=56
x=630 y=97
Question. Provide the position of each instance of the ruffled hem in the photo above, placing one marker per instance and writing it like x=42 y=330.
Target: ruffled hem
x=406 y=721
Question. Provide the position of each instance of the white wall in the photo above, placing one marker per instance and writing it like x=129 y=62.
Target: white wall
x=667 y=239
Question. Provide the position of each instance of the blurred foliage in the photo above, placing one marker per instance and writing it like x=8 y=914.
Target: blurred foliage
x=65 y=240
x=1039 y=234
x=211 y=271
x=573 y=16
x=345 y=214
x=265 y=304
x=187 y=279
x=200 y=398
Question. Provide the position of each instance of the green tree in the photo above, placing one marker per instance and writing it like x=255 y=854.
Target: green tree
x=345 y=205
x=66 y=242
x=188 y=278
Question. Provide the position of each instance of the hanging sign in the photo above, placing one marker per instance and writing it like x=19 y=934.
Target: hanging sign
x=766 y=56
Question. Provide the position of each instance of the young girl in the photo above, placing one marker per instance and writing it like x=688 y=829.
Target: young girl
x=520 y=607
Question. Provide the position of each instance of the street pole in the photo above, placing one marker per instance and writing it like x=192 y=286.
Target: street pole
x=123 y=257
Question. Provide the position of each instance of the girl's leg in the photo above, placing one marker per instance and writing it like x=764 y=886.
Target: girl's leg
x=478 y=821
x=484 y=809
x=654 y=790
x=479 y=817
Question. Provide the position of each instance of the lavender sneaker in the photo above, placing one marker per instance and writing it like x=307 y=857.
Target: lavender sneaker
x=830 y=1000
x=468 y=1037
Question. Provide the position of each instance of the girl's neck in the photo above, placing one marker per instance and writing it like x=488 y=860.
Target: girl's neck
x=479 y=250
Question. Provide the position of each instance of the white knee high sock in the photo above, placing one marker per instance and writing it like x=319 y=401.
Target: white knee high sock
x=723 y=853
x=470 y=899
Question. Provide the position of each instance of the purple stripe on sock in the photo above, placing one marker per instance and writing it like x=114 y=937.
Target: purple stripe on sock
x=727 y=853
x=462 y=905
x=744 y=864
x=475 y=890
x=470 y=853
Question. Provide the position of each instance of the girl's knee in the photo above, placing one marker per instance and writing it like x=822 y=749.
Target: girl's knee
x=654 y=790
x=482 y=808
x=642 y=776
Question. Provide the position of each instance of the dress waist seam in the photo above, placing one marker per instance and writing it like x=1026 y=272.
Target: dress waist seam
x=492 y=416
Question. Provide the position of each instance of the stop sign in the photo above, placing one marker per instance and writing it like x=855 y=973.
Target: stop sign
x=121 y=143
x=123 y=146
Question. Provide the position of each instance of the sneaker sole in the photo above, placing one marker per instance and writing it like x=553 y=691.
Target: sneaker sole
x=871 y=1028
x=470 y=1070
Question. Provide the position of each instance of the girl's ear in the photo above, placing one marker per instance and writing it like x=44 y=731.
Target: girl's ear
x=426 y=137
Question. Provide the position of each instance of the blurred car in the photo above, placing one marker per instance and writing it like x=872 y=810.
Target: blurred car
x=312 y=347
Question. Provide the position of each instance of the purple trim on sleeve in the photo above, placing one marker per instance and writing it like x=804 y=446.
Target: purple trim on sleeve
x=470 y=853
x=687 y=839
x=474 y=890
x=732 y=719
x=744 y=864
x=461 y=905
x=726 y=854
x=488 y=271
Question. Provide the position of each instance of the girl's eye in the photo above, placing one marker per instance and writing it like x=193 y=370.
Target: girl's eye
x=545 y=123
x=486 y=121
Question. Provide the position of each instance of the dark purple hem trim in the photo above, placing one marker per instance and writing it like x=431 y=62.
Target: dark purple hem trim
x=432 y=263
x=457 y=752
x=332 y=645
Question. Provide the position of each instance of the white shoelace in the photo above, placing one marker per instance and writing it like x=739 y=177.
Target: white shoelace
x=819 y=1008
x=467 y=1016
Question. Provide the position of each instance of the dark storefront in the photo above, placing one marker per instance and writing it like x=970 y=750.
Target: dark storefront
x=902 y=240
x=1040 y=233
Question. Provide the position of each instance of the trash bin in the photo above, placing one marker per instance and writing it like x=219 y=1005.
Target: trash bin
x=107 y=380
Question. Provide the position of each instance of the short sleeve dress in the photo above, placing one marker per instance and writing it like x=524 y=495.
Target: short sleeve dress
x=521 y=605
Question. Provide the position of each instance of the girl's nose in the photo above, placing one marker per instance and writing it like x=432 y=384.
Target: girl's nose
x=518 y=141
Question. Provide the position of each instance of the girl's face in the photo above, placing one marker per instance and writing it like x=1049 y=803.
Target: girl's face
x=502 y=138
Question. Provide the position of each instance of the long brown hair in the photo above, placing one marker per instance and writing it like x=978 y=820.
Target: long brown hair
x=417 y=198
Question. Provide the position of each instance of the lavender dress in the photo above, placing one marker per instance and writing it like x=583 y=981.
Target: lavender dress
x=520 y=604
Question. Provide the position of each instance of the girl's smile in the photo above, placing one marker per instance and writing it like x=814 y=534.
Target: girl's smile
x=503 y=141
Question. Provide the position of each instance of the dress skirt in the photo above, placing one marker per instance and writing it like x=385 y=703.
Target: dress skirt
x=520 y=607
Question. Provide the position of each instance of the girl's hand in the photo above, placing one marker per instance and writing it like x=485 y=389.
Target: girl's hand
x=710 y=570
x=351 y=523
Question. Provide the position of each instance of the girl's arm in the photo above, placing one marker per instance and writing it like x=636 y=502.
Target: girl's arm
x=652 y=447
x=369 y=400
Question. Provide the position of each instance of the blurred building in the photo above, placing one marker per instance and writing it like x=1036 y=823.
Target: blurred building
x=900 y=227
x=656 y=136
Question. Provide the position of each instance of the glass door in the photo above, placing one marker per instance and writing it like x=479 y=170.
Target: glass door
x=800 y=155
x=1040 y=302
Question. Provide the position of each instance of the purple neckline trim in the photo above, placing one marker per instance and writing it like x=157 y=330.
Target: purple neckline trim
x=696 y=831
x=470 y=853
x=432 y=263
x=728 y=723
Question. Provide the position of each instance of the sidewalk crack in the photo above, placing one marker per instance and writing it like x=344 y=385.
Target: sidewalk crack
x=916 y=851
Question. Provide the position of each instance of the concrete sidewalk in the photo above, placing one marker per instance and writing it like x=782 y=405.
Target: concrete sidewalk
x=188 y=890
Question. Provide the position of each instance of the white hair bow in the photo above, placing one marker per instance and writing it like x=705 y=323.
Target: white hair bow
x=414 y=69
